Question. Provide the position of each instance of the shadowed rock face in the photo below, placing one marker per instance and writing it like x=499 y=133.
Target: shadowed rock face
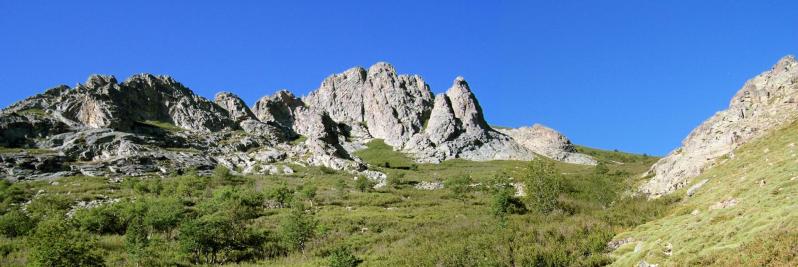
x=153 y=124
x=766 y=102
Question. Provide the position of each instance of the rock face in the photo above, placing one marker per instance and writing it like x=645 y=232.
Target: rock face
x=766 y=102
x=154 y=125
x=235 y=107
x=548 y=143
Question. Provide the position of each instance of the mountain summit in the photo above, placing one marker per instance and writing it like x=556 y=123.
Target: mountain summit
x=154 y=124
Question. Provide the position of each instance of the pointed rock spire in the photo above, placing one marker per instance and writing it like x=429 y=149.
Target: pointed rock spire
x=235 y=106
x=465 y=106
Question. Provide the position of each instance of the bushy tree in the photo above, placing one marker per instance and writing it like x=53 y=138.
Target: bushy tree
x=163 y=214
x=220 y=234
x=544 y=185
x=459 y=186
x=57 y=242
x=137 y=239
x=297 y=228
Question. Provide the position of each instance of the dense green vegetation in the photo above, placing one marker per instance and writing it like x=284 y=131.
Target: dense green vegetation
x=319 y=216
x=761 y=229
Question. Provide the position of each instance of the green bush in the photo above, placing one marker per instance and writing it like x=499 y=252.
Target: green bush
x=56 y=242
x=459 y=186
x=504 y=203
x=281 y=194
x=544 y=185
x=363 y=184
x=163 y=214
x=342 y=257
x=16 y=223
x=601 y=168
x=297 y=228
x=105 y=219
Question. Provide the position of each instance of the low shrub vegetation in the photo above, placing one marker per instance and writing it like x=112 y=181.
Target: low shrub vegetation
x=320 y=217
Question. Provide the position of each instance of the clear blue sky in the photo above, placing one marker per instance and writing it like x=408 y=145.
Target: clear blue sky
x=631 y=75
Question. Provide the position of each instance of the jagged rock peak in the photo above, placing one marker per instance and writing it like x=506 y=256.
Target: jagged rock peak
x=98 y=80
x=764 y=103
x=442 y=125
x=341 y=95
x=235 y=106
x=280 y=107
x=382 y=68
x=465 y=105
x=151 y=80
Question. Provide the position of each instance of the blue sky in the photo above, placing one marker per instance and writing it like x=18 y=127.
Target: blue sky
x=629 y=75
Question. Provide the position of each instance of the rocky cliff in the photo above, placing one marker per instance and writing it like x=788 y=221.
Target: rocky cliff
x=153 y=124
x=764 y=103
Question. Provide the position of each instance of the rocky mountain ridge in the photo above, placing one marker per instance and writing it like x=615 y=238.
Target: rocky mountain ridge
x=153 y=124
x=764 y=103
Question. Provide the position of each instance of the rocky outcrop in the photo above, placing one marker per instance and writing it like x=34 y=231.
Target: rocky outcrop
x=766 y=102
x=392 y=106
x=153 y=124
x=235 y=107
x=279 y=108
x=548 y=143
x=457 y=129
x=395 y=106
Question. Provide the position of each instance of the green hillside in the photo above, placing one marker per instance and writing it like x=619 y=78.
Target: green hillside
x=760 y=229
x=317 y=216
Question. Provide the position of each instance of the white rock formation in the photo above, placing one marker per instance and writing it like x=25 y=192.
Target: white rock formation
x=548 y=143
x=766 y=102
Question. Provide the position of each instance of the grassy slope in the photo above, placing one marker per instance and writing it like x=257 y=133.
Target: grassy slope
x=405 y=226
x=762 y=229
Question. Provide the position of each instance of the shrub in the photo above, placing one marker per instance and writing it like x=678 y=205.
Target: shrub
x=281 y=194
x=163 y=214
x=57 y=242
x=363 y=184
x=504 y=203
x=297 y=228
x=342 y=257
x=222 y=176
x=136 y=239
x=16 y=223
x=459 y=186
x=49 y=205
x=309 y=192
x=601 y=168
x=101 y=220
x=543 y=185
x=396 y=180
